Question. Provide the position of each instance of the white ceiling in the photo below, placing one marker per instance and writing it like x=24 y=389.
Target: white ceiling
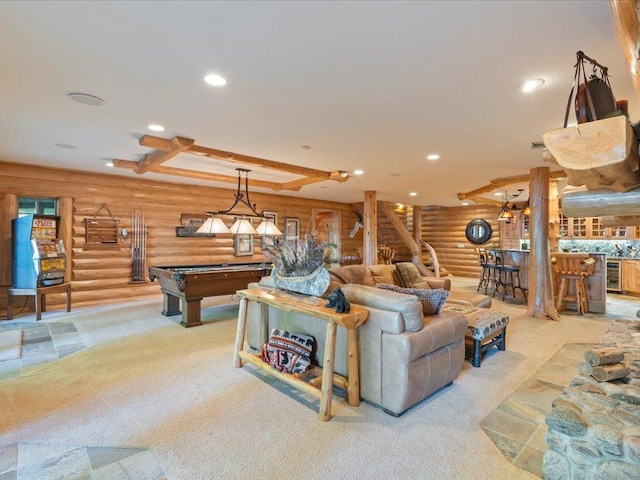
x=373 y=85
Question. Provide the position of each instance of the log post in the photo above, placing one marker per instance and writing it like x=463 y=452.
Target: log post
x=554 y=216
x=540 y=297
x=8 y=211
x=370 y=223
x=416 y=257
x=66 y=232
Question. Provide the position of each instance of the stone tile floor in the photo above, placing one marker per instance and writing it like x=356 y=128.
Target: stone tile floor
x=41 y=343
x=39 y=462
x=517 y=427
x=44 y=343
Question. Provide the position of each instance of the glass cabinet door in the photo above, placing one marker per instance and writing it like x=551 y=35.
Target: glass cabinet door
x=597 y=230
x=579 y=225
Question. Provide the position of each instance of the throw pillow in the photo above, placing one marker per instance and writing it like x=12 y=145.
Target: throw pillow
x=422 y=285
x=287 y=351
x=408 y=273
x=382 y=274
x=432 y=300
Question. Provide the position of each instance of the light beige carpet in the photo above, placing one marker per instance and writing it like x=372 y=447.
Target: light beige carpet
x=10 y=345
x=146 y=382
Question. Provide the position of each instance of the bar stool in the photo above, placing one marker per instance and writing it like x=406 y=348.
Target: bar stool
x=488 y=274
x=572 y=269
x=507 y=276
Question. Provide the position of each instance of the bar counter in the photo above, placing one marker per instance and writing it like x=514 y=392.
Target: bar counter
x=596 y=284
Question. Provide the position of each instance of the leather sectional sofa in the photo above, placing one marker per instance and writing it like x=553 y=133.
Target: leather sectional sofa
x=404 y=355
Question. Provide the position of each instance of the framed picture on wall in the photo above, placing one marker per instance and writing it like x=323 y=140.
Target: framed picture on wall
x=243 y=245
x=291 y=228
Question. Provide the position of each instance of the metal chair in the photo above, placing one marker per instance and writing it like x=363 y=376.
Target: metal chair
x=488 y=274
x=507 y=276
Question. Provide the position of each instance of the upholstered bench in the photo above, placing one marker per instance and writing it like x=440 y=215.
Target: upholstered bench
x=486 y=328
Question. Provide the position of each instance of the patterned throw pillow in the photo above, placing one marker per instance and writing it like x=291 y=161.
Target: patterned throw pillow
x=409 y=273
x=287 y=351
x=432 y=300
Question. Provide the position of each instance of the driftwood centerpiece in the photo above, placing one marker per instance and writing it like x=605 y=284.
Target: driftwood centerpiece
x=602 y=154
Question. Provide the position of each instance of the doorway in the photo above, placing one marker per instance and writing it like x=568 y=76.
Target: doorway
x=326 y=228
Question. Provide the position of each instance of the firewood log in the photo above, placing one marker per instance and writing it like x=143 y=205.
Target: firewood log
x=606 y=373
x=604 y=356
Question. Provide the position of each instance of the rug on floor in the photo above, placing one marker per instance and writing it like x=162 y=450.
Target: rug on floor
x=10 y=345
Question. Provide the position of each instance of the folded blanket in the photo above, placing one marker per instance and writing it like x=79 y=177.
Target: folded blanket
x=288 y=352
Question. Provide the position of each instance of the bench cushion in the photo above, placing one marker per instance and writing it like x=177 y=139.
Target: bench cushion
x=483 y=322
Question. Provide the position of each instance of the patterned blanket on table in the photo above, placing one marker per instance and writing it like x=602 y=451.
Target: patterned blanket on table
x=288 y=351
x=482 y=321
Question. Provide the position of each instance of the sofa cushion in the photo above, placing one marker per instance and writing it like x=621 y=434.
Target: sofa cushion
x=406 y=305
x=409 y=274
x=470 y=298
x=384 y=274
x=431 y=299
x=359 y=274
x=439 y=331
x=423 y=285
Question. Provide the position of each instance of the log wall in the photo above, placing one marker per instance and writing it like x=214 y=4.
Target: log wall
x=444 y=229
x=102 y=275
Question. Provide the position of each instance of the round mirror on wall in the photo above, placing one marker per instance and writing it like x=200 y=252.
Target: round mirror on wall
x=478 y=231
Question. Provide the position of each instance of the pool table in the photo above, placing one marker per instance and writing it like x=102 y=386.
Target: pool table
x=189 y=284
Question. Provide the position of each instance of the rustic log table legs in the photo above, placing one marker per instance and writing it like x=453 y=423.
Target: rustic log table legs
x=349 y=320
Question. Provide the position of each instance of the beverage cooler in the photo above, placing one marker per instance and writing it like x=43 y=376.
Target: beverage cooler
x=38 y=255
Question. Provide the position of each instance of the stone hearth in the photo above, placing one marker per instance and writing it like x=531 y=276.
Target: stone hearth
x=594 y=427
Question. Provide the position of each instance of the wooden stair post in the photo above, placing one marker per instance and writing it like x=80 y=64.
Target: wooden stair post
x=540 y=298
x=370 y=236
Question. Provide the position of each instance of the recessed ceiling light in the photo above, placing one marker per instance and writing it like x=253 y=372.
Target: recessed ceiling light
x=109 y=164
x=86 y=99
x=413 y=194
x=156 y=128
x=433 y=156
x=358 y=172
x=66 y=146
x=498 y=194
x=532 y=84
x=465 y=204
x=215 y=80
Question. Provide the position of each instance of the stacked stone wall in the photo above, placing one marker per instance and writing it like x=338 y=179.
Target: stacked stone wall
x=594 y=427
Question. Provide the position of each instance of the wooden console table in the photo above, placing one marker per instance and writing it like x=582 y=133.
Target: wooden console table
x=40 y=300
x=350 y=321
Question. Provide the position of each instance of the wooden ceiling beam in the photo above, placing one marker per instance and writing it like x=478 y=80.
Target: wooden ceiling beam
x=258 y=162
x=337 y=175
x=503 y=182
x=486 y=201
x=159 y=143
x=158 y=157
x=166 y=149
x=215 y=177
